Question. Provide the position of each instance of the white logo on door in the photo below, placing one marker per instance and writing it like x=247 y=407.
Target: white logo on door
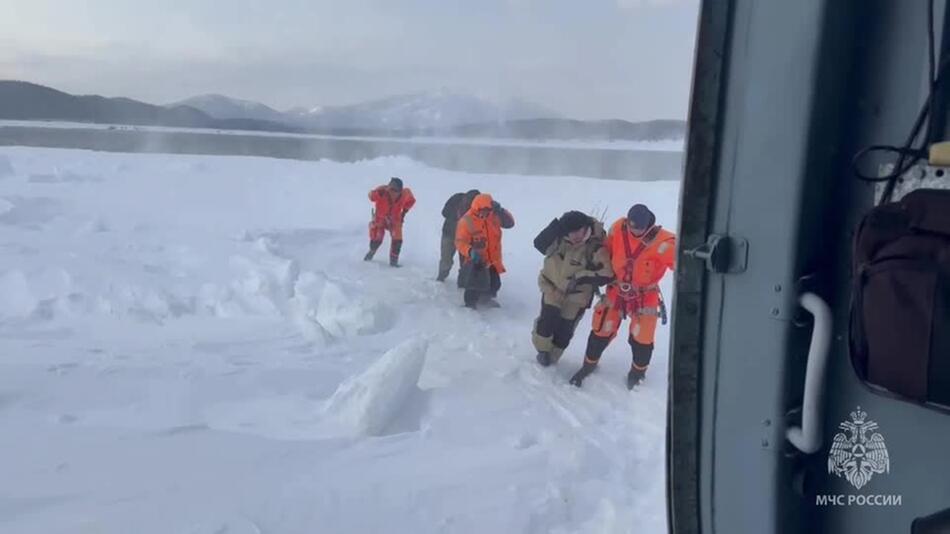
x=854 y=454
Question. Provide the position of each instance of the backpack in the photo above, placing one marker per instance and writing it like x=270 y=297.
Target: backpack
x=900 y=311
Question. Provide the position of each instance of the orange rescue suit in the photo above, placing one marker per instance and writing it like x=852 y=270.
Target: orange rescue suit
x=639 y=263
x=483 y=234
x=389 y=212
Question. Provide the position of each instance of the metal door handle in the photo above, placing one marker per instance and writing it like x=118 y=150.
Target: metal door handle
x=807 y=438
x=722 y=253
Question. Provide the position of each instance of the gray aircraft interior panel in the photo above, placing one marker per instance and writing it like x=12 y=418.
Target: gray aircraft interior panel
x=804 y=86
x=889 y=86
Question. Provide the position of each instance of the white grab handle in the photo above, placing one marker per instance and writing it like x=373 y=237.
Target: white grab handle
x=808 y=438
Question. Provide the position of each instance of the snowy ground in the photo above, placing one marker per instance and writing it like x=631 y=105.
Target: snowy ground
x=192 y=344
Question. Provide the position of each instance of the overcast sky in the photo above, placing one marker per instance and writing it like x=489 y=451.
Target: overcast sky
x=587 y=59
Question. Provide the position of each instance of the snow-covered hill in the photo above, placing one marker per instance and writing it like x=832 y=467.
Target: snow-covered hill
x=439 y=110
x=300 y=112
x=225 y=107
x=192 y=344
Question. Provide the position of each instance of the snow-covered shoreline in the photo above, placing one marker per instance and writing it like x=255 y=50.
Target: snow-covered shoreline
x=661 y=145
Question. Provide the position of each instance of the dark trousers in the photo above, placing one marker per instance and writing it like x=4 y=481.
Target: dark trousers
x=472 y=296
x=642 y=353
x=447 y=256
x=552 y=324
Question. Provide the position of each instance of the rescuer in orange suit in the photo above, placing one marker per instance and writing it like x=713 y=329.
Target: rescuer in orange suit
x=392 y=203
x=478 y=240
x=641 y=253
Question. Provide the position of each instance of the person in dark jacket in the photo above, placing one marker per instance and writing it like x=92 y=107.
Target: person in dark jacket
x=455 y=208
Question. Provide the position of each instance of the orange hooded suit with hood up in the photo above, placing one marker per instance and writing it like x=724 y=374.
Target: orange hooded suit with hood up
x=483 y=233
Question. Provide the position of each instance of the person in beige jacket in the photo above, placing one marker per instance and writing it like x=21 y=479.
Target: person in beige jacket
x=575 y=265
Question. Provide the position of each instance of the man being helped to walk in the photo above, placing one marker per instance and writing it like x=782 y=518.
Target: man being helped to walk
x=641 y=253
x=478 y=240
x=392 y=203
x=455 y=208
x=575 y=264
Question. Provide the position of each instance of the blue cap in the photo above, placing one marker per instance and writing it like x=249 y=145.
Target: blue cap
x=641 y=217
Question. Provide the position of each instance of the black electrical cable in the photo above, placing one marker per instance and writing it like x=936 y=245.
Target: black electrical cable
x=902 y=152
x=933 y=129
x=907 y=155
x=932 y=49
x=907 y=148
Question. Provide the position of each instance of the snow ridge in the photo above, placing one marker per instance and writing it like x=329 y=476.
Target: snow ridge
x=369 y=402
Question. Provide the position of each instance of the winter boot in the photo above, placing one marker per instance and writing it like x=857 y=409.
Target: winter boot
x=583 y=373
x=642 y=354
x=443 y=273
x=394 y=253
x=544 y=358
x=490 y=303
x=373 y=247
x=471 y=298
x=635 y=376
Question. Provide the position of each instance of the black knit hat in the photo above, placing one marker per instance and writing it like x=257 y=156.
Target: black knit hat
x=574 y=220
x=641 y=217
x=395 y=183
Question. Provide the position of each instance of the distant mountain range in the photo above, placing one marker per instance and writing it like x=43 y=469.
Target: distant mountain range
x=438 y=110
x=224 y=107
x=28 y=101
x=438 y=113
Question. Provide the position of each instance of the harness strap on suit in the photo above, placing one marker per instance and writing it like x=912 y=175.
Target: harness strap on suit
x=629 y=297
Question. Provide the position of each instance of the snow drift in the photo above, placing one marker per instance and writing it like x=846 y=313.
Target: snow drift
x=369 y=403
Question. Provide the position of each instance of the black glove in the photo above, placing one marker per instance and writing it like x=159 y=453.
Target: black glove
x=495 y=206
x=595 y=281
